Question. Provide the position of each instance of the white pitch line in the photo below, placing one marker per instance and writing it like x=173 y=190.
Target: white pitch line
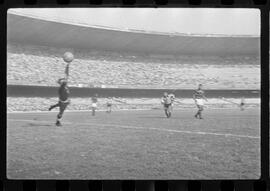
x=77 y=111
x=149 y=128
x=102 y=110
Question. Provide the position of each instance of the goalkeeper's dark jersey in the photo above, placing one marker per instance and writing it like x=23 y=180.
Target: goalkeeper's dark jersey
x=63 y=93
x=199 y=94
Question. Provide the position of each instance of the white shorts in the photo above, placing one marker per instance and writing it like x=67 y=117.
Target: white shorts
x=199 y=102
x=94 y=105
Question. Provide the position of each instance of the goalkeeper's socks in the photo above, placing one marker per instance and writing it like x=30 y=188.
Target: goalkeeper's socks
x=58 y=123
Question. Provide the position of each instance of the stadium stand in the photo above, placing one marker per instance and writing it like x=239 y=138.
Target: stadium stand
x=42 y=104
x=43 y=65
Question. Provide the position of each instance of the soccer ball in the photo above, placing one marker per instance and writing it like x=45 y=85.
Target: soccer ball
x=68 y=57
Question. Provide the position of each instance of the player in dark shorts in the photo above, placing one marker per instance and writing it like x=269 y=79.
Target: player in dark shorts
x=109 y=105
x=199 y=98
x=242 y=104
x=167 y=103
x=172 y=97
x=94 y=104
x=63 y=94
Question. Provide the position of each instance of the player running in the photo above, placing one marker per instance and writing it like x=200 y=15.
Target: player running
x=199 y=98
x=109 y=105
x=242 y=104
x=172 y=97
x=63 y=94
x=167 y=103
x=94 y=104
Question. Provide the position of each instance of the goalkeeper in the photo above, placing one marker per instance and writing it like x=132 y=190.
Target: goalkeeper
x=63 y=95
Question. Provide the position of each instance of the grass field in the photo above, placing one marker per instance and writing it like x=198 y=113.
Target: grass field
x=135 y=144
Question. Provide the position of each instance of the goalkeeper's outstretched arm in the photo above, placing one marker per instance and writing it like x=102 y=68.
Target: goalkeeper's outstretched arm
x=67 y=72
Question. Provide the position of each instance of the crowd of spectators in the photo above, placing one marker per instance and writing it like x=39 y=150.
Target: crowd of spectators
x=41 y=65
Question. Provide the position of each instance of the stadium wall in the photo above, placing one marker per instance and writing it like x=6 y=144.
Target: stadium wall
x=47 y=92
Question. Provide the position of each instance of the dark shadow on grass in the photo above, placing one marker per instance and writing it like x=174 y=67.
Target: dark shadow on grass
x=38 y=125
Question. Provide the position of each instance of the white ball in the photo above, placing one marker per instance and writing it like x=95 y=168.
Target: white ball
x=68 y=57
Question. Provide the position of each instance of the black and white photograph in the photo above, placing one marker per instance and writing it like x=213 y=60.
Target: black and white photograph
x=133 y=93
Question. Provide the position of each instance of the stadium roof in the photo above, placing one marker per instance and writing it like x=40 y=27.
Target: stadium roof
x=30 y=30
x=201 y=21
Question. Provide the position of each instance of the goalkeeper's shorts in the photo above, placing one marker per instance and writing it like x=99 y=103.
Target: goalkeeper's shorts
x=63 y=105
x=64 y=102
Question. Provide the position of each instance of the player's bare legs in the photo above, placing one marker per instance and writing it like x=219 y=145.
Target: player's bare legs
x=62 y=108
x=170 y=110
x=167 y=110
x=109 y=108
x=199 y=112
x=242 y=107
x=93 y=111
x=58 y=120
x=53 y=106
x=94 y=104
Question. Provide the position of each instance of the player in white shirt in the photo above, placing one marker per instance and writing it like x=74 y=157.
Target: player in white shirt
x=167 y=101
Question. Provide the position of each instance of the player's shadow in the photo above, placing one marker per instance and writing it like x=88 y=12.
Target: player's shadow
x=152 y=117
x=34 y=125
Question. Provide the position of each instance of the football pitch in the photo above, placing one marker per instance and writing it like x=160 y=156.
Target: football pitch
x=135 y=144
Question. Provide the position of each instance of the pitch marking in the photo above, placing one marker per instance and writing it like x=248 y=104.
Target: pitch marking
x=103 y=110
x=77 y=111
x=149 y=128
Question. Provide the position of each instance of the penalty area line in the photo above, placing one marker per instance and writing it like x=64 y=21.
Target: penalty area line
x=78 y=111
x=103 y=110
x=147 y=128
